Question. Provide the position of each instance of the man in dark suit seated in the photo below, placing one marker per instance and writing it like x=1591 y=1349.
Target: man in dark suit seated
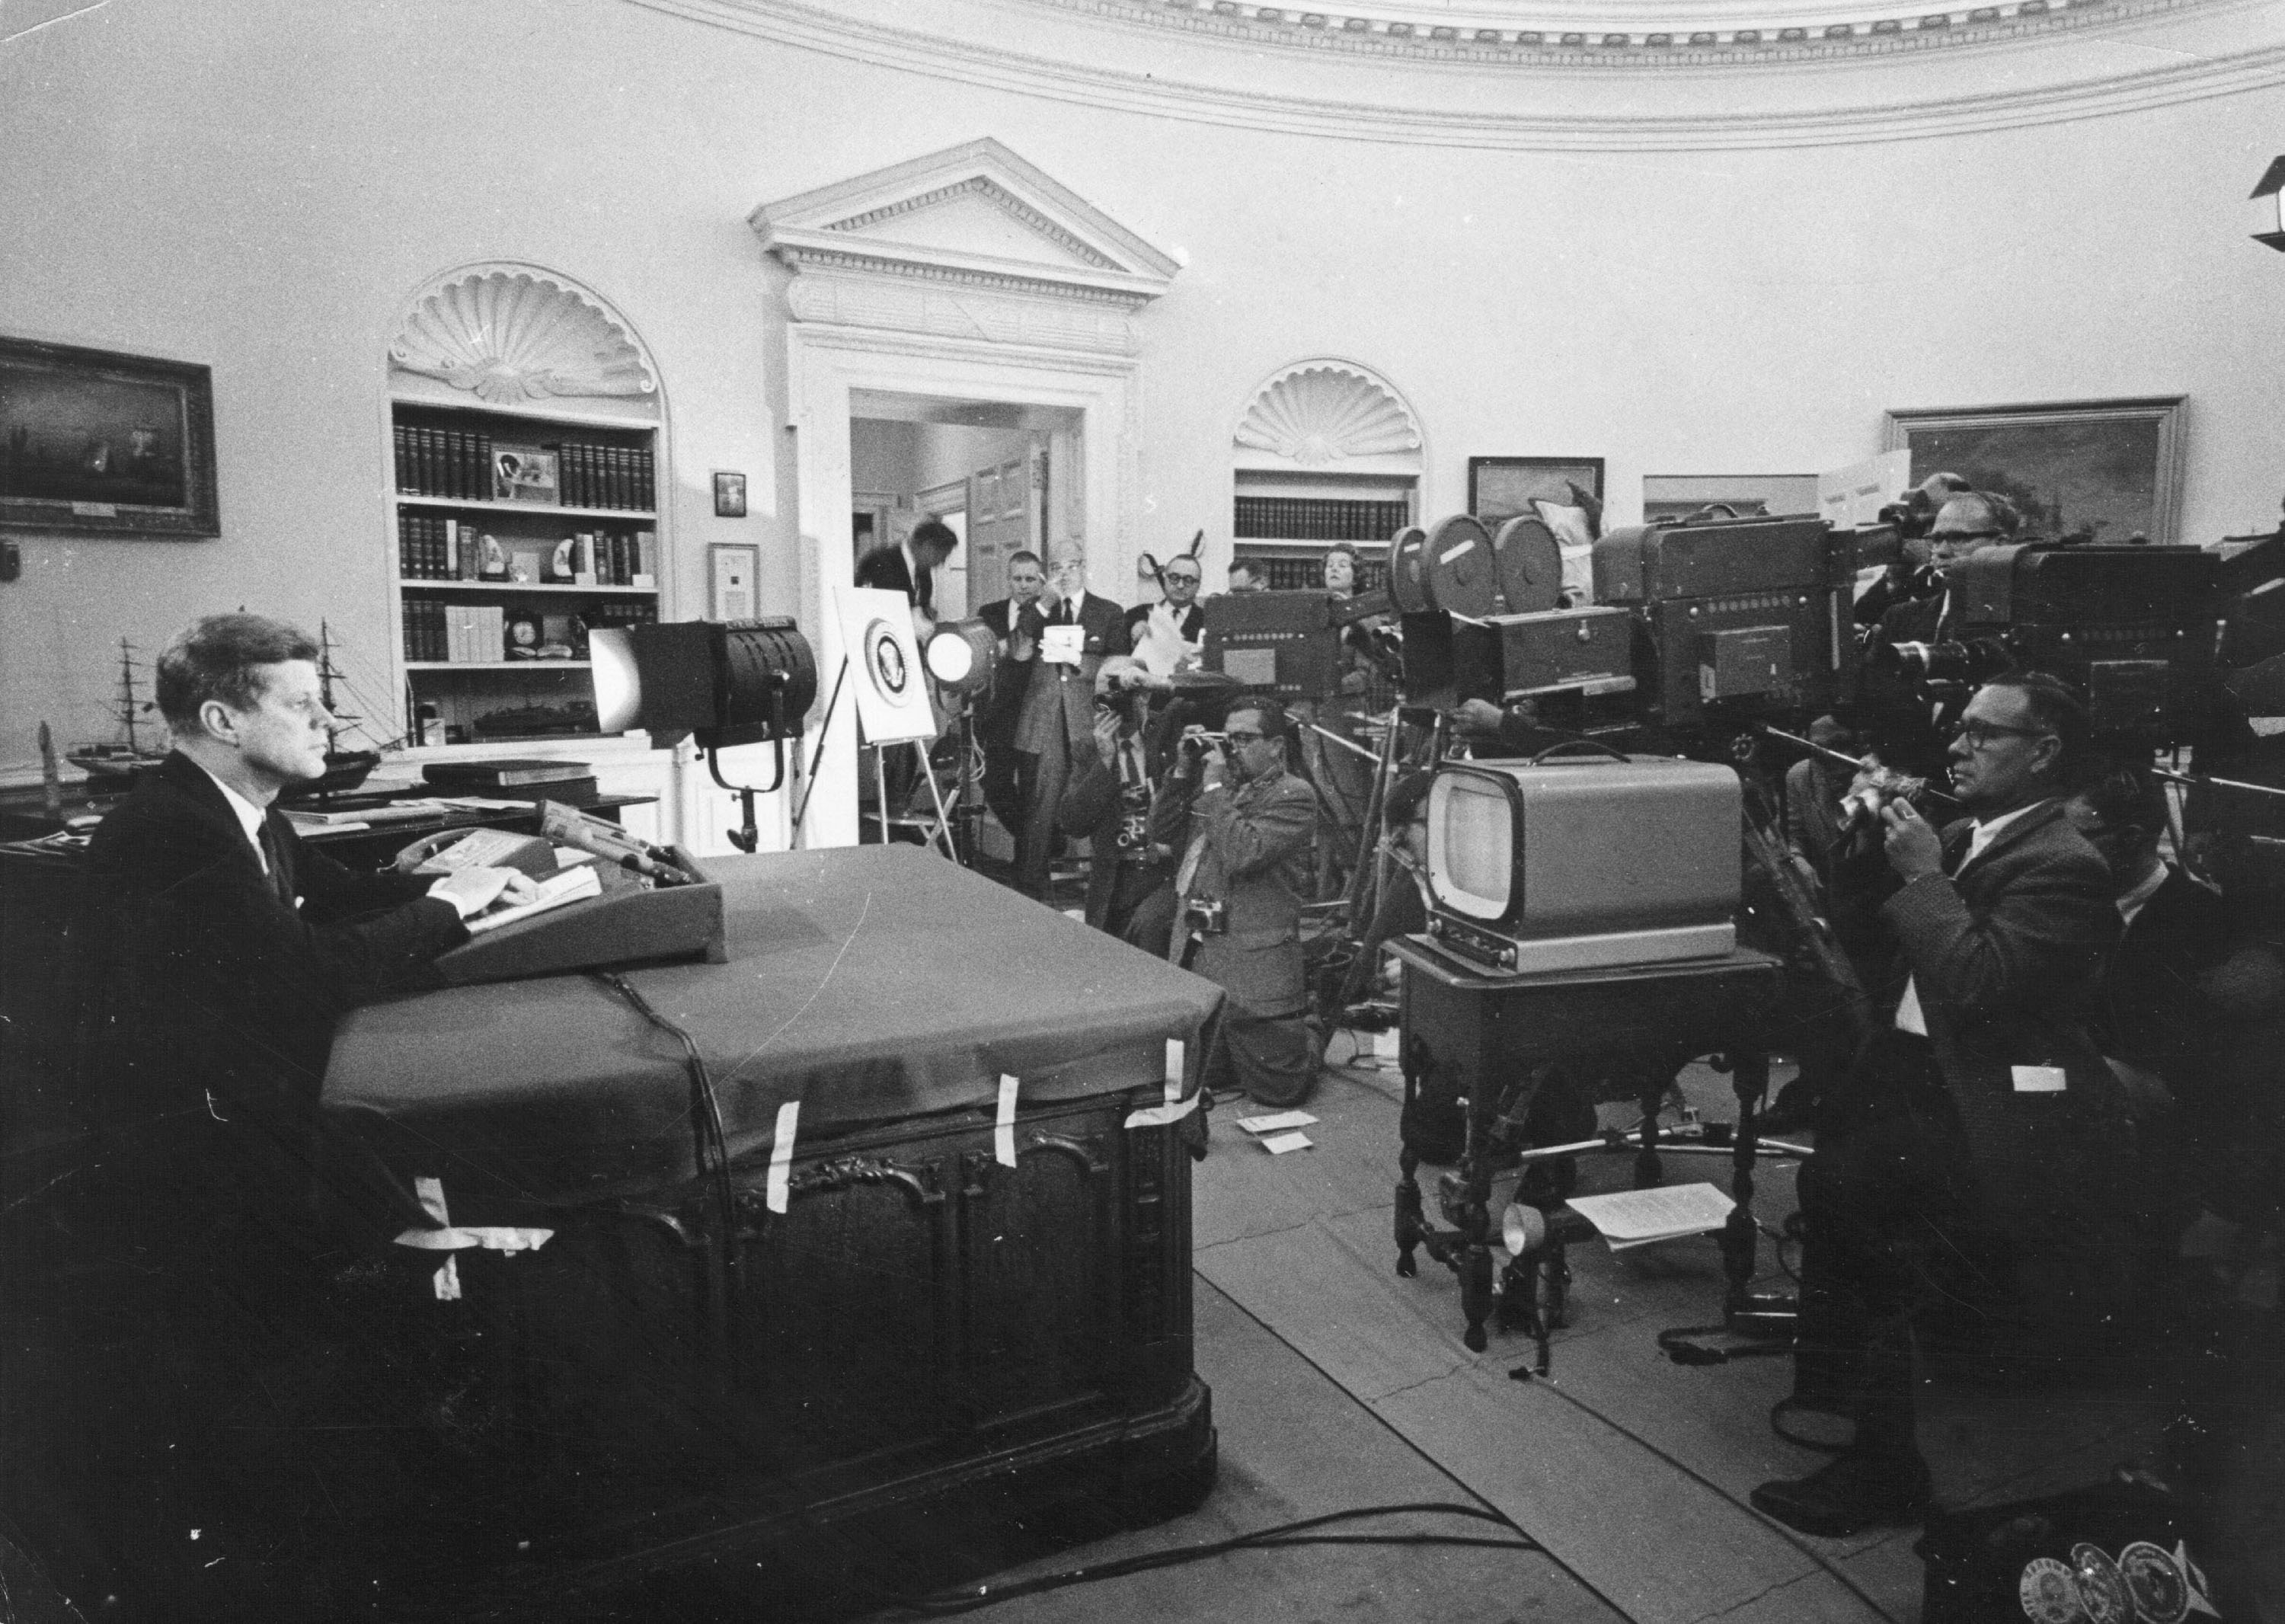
x=1981 y=1126
x=1007 y=783
x=910 y=567
x=210 y=961
x=1073 y=635
x=1244 y=826
x=2180 y=991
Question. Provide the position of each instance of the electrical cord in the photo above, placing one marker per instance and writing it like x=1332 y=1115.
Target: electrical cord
x=970 y=1598
x=712 y=1137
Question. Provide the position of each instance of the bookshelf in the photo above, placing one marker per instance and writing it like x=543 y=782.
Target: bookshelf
x=481 y=574
x=1285 y=524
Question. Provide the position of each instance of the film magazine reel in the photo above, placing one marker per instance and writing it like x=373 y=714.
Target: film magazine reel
x=1461 y=565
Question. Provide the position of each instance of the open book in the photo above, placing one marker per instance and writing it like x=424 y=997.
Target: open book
x=1637 y=1217
x=565 y=885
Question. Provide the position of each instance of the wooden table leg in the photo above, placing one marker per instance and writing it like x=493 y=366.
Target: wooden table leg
x=1749 y=1080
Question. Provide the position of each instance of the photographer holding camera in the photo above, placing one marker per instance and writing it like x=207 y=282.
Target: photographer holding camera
x=1979 y=1151
x=1243 y=825
x=1109 y=803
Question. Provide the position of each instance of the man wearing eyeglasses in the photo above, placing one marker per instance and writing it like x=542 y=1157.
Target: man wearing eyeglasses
x=1245 y=826
x=1906 y=728
x=1977 y=1150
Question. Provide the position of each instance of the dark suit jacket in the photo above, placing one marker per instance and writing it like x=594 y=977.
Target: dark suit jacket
x=1093 y=810
x=1192 y=625
x=2154 y=1011
x=1059 y=700
x=2008 y=958
x=885 y=568
x=1899 y=725
x=199 y=992
x=1257 y=856
x=996 y=719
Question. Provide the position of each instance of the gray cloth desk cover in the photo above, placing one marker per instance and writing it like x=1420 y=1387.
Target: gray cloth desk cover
x=872 y=984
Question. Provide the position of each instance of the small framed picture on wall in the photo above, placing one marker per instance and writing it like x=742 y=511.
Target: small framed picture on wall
x=729 y=495
x=733 y=595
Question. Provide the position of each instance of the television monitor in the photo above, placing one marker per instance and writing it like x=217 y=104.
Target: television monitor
x=1584 y=862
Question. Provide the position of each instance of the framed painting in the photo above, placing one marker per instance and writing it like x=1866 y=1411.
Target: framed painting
x=2105 y=470
x=1502 y=487
x=95 y=443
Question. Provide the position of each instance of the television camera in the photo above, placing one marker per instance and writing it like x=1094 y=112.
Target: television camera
x=2132 y=627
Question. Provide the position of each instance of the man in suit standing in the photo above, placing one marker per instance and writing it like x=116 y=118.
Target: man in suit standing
x=1175 y=618
x=1983 y=1126
x=1007 y=782
x=1074 y=635
x=910 y=567
x=210 y=960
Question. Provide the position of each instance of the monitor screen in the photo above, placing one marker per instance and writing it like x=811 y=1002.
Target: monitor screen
x=1472 y=845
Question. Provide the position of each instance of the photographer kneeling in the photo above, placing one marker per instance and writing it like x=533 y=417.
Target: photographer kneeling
x=1243 y=825
x=1979 y=1147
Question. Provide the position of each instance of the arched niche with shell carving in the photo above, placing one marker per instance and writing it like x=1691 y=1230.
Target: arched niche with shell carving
x=518 y=336
x=1328 y=416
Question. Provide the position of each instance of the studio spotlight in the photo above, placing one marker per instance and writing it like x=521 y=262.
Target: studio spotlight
x=960 y=655
x=722 y=684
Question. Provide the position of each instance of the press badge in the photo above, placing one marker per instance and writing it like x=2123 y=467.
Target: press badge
x=2038 y=1079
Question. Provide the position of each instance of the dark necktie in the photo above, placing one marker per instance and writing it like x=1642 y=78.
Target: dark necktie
x=273 y=854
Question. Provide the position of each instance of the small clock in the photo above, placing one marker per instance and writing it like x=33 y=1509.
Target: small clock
x=523 y=637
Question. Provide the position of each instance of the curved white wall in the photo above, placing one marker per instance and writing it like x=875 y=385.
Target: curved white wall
x=257 y=185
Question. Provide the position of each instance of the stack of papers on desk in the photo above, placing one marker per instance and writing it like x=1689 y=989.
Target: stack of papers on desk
x=565 y=885
x=1637 y=1217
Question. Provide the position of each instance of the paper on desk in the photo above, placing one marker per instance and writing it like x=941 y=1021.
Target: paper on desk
x=564 y=885
x=1277 y=1144
x=1637 y=1217
x=1282 y=1120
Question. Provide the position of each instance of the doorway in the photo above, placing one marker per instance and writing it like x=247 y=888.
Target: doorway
x=998 y=473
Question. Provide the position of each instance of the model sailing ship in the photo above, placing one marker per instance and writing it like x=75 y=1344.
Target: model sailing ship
x=112 y=765
x=345 y=769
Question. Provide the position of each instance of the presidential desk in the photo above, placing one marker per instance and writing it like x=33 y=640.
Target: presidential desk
x=930 y=1311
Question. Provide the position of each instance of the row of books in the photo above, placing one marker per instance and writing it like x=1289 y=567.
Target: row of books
x=430 y=548
x=1301 y=574
x=591 y=476
x=464 y=465
x=454 y=463
x=1285 y=518
x=461 y=633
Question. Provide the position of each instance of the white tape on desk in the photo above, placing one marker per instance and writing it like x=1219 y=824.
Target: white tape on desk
x=448 y=1236
x=1003 y=1127
x=1159 y=1116
x=782 y=1156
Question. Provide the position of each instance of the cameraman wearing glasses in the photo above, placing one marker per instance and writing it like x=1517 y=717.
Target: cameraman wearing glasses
x=1244 y=826
x=1979 y=1150
x=1909 y=730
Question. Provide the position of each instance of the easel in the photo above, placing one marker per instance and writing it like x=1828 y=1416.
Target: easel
x=938 y=829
